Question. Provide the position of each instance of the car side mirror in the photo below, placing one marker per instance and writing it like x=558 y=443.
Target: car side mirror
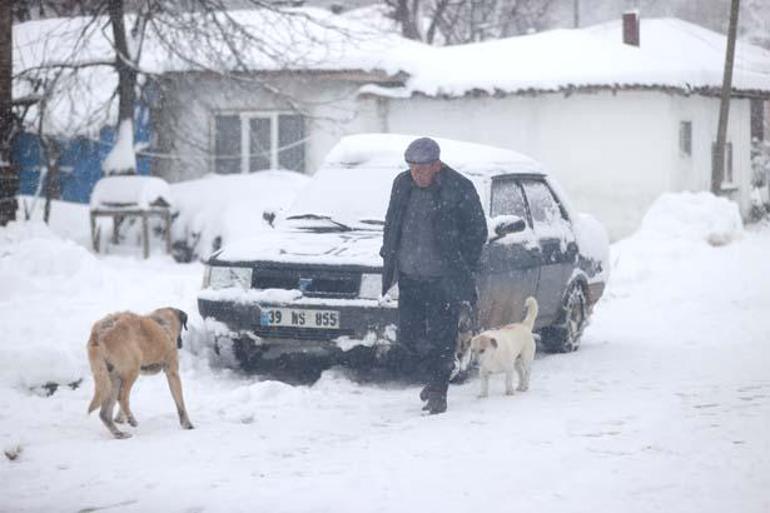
x=504 y=225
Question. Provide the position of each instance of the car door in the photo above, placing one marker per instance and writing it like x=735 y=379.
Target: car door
x=510 y=264
x=556 y=240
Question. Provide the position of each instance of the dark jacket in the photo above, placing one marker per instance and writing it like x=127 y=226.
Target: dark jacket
x=459 y=222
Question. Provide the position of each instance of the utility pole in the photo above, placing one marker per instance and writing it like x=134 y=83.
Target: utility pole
x=576 y=13
x=9 y=178
x=718 y=152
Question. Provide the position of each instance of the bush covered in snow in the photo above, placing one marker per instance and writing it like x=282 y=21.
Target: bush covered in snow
x=220 y=208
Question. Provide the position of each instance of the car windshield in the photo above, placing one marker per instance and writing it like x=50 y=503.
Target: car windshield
x=350 y=197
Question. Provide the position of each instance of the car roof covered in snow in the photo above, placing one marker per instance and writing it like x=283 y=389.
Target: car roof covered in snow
x=374 y=150
x=361 y=168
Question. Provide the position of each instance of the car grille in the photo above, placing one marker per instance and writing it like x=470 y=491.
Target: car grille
x=312 y=282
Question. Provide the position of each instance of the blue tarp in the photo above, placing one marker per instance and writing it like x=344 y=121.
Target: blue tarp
x=80 y=159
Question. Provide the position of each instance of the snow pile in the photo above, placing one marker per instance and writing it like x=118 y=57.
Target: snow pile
x=68 y=220
x=223 y=208
x=697 y=216
x=678 y=228
x=130 y=191
x=33 y=263
x=53 y=290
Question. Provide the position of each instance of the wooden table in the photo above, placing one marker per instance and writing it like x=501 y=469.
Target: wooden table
x=120 y=213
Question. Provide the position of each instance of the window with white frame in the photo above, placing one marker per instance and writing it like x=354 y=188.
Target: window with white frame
x=246 y=142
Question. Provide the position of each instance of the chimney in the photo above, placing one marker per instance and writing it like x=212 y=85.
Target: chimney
x=631 y=28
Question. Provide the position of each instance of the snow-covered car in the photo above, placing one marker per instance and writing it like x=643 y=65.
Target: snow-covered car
x=217 y=209
x=313 y=284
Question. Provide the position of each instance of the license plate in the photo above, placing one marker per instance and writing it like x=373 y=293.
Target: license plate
x=290 y=317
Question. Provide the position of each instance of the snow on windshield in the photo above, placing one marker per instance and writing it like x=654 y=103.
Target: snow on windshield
x=347 y=195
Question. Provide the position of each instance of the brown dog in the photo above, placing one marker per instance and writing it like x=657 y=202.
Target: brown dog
x=124 y=344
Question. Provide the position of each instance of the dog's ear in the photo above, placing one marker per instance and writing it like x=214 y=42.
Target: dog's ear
x=182 y=317
x=183 y=321
x=493 y=342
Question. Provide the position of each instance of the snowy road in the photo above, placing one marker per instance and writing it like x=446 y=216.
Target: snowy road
x=666 y=407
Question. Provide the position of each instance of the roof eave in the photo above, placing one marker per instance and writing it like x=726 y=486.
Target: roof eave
x=568 y=90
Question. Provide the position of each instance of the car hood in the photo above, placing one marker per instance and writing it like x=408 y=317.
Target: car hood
x=359 y=248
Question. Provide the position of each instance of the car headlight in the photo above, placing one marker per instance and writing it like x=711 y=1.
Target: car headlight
x=393 y=292
x=371 y=285
x=221 y=277
x=206 y=277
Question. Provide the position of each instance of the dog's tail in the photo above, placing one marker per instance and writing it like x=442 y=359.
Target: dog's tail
x=102 y=382
x=532 y=309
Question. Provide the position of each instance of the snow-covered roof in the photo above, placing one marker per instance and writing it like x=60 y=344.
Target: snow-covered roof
x=302 y=39
x=672 y=54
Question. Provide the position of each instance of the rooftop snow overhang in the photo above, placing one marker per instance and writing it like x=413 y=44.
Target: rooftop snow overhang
x=352 y=75
x=400 y=92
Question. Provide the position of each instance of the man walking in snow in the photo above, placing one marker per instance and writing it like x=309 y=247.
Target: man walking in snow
x=434 y=231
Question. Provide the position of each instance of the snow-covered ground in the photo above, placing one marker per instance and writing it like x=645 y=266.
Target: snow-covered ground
x=666 y=407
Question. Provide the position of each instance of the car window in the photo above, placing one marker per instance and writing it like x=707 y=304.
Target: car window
x=542 y=204
x=508 y=199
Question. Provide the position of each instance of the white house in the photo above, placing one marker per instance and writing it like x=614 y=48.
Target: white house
x=618 y=124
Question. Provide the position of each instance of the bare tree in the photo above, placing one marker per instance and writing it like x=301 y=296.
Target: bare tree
x=8 y=177
x=122 y=160
x=464 y=21
x=198 y=35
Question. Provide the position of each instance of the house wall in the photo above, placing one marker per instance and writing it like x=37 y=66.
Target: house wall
x=613 y=153
x=185 y=120
x=694 y=173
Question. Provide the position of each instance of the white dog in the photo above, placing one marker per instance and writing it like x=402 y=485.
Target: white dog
x=506 y=349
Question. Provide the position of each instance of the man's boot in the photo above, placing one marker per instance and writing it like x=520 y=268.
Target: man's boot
x=436 y=397
x=426 y=392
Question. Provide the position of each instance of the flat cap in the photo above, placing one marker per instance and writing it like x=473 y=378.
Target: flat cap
x=422 y=151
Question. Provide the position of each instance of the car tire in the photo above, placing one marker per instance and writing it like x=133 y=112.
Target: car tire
x=565 y=335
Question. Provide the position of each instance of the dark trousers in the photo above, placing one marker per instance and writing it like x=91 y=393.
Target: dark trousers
x=427 y=330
